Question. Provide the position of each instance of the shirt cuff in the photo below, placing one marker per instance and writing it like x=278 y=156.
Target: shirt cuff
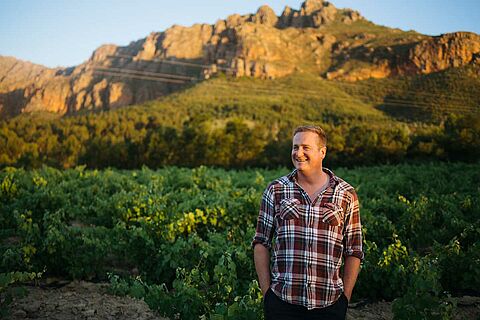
x=355 y=253
x=264 y=241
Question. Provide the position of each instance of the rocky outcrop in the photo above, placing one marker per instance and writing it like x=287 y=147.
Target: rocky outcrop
x=255 y=45
x=313 y=13
x=20 y=82
x=119 y=95
x=265 y=15
x=184 y=42
x=316 y=13
x=442 y=52
x=421 y=55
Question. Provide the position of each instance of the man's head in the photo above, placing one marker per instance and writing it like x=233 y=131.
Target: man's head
x=309 y=147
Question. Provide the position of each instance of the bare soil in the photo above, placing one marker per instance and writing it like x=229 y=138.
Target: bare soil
x=78 y=300
x=87 y=300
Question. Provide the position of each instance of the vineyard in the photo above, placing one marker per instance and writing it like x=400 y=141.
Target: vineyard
x=180 y=238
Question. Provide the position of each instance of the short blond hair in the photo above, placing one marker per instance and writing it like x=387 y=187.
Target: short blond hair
x=315 y=129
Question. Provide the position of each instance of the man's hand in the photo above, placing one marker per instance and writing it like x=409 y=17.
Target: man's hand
x=348 y=295
x=264 y=292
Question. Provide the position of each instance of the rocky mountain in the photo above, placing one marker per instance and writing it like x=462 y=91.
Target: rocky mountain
x=318 y=38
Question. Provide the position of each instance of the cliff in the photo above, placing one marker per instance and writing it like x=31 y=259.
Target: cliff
x=317 y=38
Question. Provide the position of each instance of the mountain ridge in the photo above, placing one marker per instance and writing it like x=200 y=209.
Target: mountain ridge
x=318 y=38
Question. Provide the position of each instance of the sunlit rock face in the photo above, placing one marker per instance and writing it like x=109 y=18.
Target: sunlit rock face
x=317 y=38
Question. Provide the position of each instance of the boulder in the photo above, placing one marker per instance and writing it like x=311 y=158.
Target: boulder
x=149 y=48
x=311 y=6
x=265 y=15
x=326 y=14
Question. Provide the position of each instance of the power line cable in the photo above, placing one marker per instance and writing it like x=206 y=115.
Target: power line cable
x=449 y=97
x=146 y=73
x=152 y=76
x=190 y=64
x=337 y=82
x=117 y=74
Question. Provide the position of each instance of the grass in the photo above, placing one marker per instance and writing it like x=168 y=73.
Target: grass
x=298 y=98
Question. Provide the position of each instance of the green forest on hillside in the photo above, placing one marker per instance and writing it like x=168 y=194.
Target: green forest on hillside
x=235 y=123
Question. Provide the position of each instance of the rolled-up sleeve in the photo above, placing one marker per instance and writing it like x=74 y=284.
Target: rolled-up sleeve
x=353 y=230
x=265 y=226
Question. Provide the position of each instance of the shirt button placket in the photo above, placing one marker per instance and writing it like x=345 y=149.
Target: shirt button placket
x=309 y=255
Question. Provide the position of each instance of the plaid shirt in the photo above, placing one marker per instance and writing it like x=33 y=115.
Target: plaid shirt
x=309 y=238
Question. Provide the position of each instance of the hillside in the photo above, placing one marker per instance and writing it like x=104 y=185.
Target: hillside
x=317 y=39
x=303 y=97
x=239 y=122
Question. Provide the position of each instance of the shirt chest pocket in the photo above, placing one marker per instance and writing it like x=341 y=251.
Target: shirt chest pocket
x=290 y=209
x=332 y=214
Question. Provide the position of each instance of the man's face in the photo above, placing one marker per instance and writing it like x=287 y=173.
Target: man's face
x=307 y=152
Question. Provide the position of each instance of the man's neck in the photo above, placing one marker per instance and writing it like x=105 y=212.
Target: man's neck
x=313 y=179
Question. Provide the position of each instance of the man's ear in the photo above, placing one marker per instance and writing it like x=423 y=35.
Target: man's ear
x=323 y=152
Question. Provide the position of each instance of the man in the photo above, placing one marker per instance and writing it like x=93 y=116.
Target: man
x=309 y=219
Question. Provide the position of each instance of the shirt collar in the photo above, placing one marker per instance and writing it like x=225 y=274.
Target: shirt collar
x=333 y=180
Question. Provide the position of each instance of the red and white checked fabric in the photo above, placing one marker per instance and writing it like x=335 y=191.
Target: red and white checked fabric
x=308 y=239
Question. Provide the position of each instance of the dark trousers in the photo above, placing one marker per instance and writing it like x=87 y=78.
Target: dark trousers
x=277 y=309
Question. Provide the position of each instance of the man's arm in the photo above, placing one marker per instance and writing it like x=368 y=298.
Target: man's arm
x=350 y=273
x=262 y=241
x=261 y=256
x=353 y=249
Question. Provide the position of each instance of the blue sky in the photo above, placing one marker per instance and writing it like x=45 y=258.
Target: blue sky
x=65 y=32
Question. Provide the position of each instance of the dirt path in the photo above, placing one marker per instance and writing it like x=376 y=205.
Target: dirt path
x=86 y=300
x=468 y=308
x=78 y=300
